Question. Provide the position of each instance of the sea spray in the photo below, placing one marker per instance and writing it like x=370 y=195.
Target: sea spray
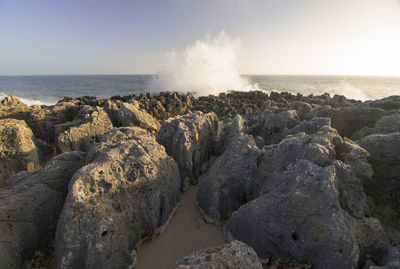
x=205 y=67
x=27 y=101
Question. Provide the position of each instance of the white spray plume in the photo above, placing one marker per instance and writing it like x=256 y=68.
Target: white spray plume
x=206 y=67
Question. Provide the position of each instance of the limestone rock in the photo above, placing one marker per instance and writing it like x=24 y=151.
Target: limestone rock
x=127 y=191
x=18 y=151
x=385 y=125
x=112 y=108
x=236 y=255
x=30 y=208
x=12 y=107
x=384 y=186
x=87 y=128
x=298 y=200
x=223 y=190
x=132 y=115
x=43 y=121
x=190 y=140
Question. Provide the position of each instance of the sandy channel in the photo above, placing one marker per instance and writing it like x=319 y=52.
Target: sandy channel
x=187 y=232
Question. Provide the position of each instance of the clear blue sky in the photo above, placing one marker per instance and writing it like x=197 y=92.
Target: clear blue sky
x=128 y=37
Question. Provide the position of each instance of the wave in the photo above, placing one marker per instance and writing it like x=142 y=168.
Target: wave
x=205 y=67
x=27 y=101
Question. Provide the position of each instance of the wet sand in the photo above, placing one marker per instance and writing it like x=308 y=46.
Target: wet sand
x=187 y=232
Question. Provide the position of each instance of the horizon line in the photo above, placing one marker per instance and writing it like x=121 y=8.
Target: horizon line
x=244 y=74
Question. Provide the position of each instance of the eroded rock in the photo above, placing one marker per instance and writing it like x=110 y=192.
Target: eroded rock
x=18 y=151
x=132 y=115
x=127 y=191
x=86 y=129
x=31 y=206
x=236 y=255
x=190 y=140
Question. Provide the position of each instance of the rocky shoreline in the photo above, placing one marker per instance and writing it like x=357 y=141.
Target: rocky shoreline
x=298 y=181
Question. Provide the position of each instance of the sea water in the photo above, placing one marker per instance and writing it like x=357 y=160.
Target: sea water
x=49 y=89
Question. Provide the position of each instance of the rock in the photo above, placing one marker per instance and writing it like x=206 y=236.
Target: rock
x=302 y=221
x=233 y=255
x=43 y=121
x=18 y=151
x=30 y=208
x=124 y=195
x=348 y=120
x=385 y=125
x=273 y=124
x=298 y=200
x=190 y=140
x=223 y=190
x=87 y=128
x=391 y=102
x=230 y=132
x=112 y=108
x=132 y=115
x=12 y=107
x=384 y=186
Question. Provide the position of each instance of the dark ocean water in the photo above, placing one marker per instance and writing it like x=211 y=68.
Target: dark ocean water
x=50 y=89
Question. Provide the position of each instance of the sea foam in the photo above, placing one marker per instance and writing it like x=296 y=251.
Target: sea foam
x=206 y=67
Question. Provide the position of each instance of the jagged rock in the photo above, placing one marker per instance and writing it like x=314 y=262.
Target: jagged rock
x=18 y=151
x=112 y=107
x=348 y=120
x=223 y=190
x=234 y=129
x=236 y=255
x=301 y=219
x=30 y=208
x=385 y=125
x=87 y=128
x=132 y=115
x=12 y=107
x=384 y=186
x=391 y=102
x=273 y=124
x=189 y=139
x=299 y=200
x=127 y=191
x=43 y=121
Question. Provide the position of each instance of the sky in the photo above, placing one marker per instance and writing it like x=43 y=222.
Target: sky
x=358 y=37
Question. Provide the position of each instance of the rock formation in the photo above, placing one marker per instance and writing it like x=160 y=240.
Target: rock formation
x=128 y=190
x=305 y=181
x=233 y=255
x=86 y=128
x=132 y=115
x=30 y=208
x=18 y=151
x=190 y=141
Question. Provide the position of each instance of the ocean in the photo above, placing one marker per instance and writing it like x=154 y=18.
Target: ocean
x=49 y=89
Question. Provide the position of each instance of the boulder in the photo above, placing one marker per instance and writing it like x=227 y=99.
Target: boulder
x=87 y=128
x=384 y=187
x=31 y=206
x=112 y=108
x=298 y=200
x=223 y=190
x=385 y=125
x=272 y=124
x=190 y=140
x=18 y=151
x=391 y=102
x=348 y=120
x=231 y=131
x=43 y=121
x=132 y=115
x=12 y=107
x=128 y=191
x=236 y=255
